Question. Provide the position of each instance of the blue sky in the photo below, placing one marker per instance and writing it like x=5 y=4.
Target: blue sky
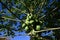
x=0 y=7
x=21 y=38
x=16 y=37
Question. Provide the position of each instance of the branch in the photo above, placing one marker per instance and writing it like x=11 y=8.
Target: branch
x=47 y=29
x=42 y=17
x=54 y=9
x=44 y=30
x=11 y=19
x=28 y=34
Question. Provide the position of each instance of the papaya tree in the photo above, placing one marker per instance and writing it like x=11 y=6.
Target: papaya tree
x=36 y=16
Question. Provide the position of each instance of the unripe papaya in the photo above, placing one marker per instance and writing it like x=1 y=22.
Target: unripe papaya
x=26 y=28
x=38 y=27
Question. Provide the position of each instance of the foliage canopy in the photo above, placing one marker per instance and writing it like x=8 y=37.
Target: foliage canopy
x=30 y=16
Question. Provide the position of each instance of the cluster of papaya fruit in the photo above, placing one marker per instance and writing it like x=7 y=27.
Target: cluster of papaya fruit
x=31 y=23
